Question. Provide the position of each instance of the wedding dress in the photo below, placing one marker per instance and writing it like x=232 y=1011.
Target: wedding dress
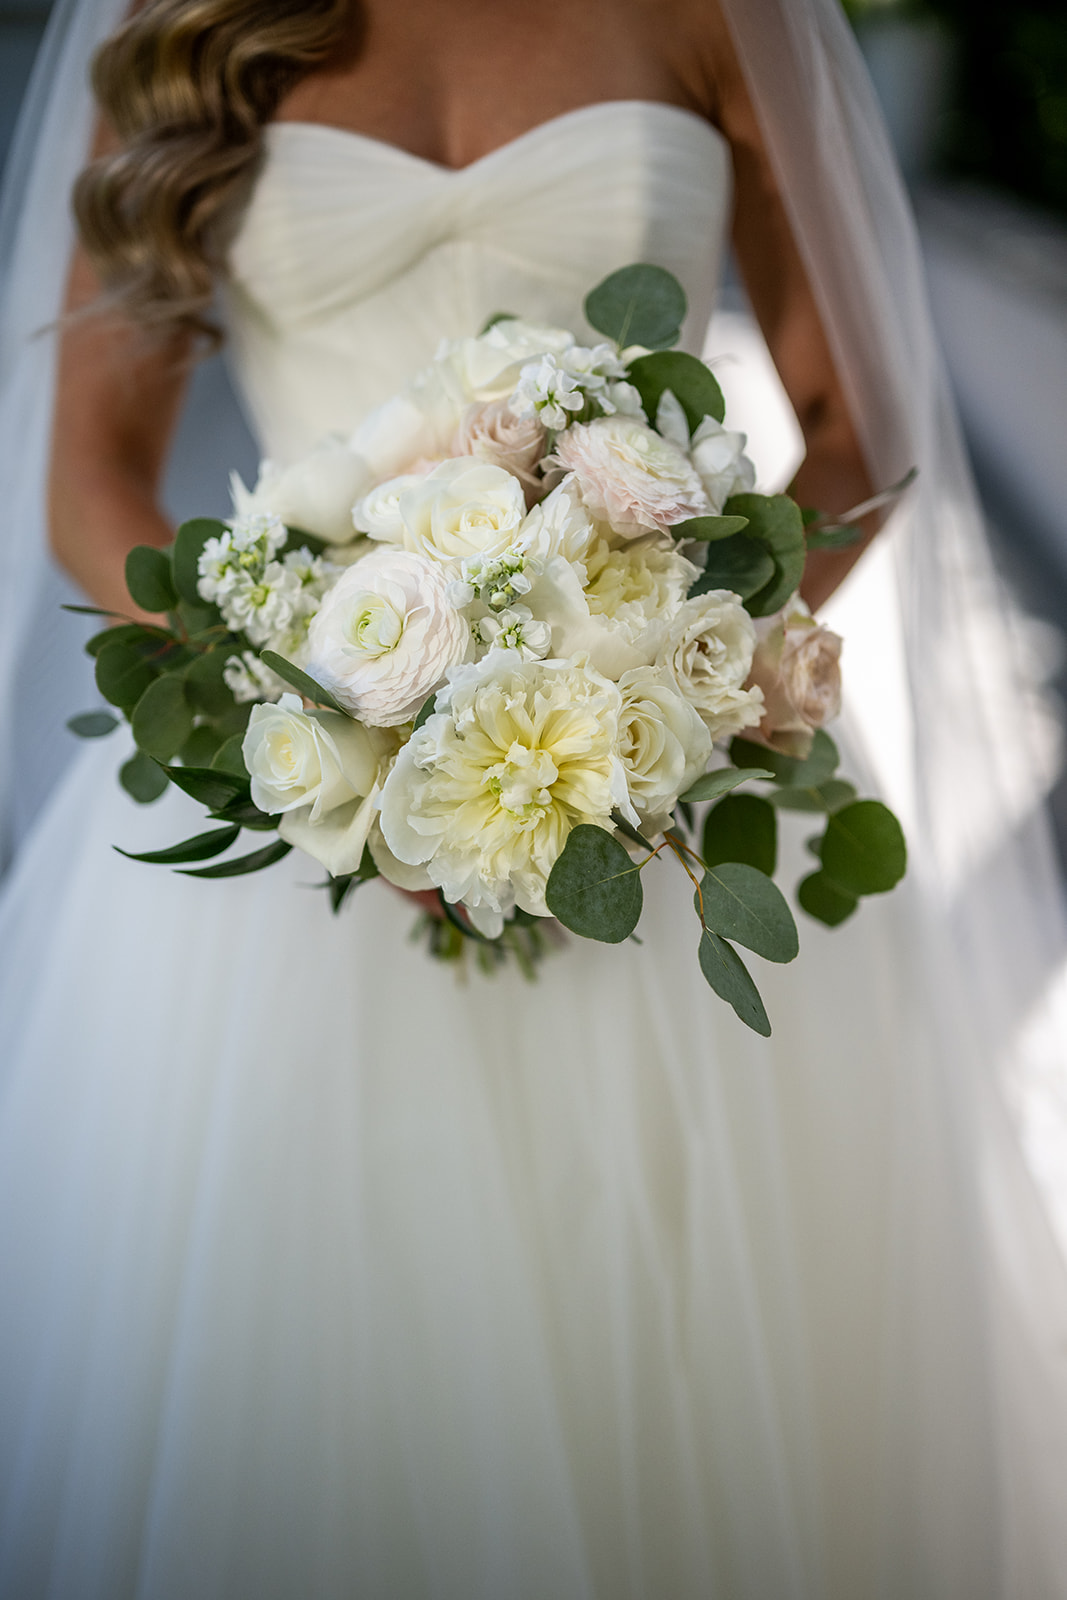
x=328 y=1275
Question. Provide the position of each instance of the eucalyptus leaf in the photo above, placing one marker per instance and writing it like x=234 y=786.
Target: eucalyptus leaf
x=300 y=681
x=149 y=641
x=185 y=554
x=200 y=848
x=230 y=757
x=738 y=902
x=92 y=724
x=829 y=796
x=721 y=781
x=628 y=830
x=205 y=685
x=837 y=536
x=729 y=977
x=688 y=379
x=90 y=611
x=143 y=779
x=201 y=747
x=301 y=539
x=123 y=675
x=741 y=827
x=863 y=849
x=150 y=579
x=640 y=304
x=162 y=718
x=708 y=528
x=746 y=753
x=425 y=713
x=237 y=869
x=212 y=788
x=200 y=619
x=498 y=316
x=821 y=898
x=776 y=524
x=738 y=564
x=594 y=889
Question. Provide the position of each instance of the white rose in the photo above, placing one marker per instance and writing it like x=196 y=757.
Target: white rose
x=708 y=651
x=559 y=526
x=462 y=508
x=487 y=367
x=322 y=772
x=664 y=744
x=797 y=666
x=486 y=792
x=378 y=513
x=385 y=635
x=630 y=476
x=315 y=494
x=719 y=458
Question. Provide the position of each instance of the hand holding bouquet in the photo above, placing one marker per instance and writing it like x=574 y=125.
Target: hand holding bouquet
x=499 y=643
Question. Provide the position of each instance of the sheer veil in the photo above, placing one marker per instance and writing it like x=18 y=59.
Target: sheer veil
x=943 y=712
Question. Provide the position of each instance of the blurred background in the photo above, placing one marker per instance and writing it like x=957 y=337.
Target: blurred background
x=975 y=95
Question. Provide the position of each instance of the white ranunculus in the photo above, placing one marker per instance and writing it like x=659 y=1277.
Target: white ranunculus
x=462 y=508
x=385 y=635
x=559 y=526
x=315 y=494
x=486 y=792
x=488 y=367
x=719 y=458
x=664 y=743
x=322 y=772
x=630 y=476
x=708 y=651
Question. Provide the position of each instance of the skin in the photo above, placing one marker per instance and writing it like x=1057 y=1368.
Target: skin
x=451 y=80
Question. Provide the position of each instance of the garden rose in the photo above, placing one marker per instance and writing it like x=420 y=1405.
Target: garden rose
x=797 y=666
x=664 y=744
x=492 y=432
x=708 y=651
x=462 y=508
x=315 y=494
x=630 y=476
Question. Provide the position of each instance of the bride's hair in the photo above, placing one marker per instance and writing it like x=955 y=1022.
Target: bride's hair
x=187 y=86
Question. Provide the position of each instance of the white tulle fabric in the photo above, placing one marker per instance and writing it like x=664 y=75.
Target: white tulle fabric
x=325 y=1275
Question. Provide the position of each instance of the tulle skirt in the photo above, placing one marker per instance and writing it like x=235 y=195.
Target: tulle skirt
x=328 y=1274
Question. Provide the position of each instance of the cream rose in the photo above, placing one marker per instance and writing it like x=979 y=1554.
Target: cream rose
x=664 y=744
x=492 y=432
x=322 y=772
x=630 y=476
x=797 y=666
x=315 y=494
x=708 y=652
x=385 y=636
x=378 y=513
x=488 y=367
x=485 y=794
x=462 y=508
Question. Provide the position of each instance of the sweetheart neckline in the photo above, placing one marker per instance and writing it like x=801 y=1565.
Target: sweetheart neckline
x=520 y=140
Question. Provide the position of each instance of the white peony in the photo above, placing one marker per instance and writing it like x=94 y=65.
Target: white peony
x=708 y=651
x=385 y=636
x=630 y=476
x=485 y=794
x=664 y=744
x=462 y=508
x=322 y=772
x=315 y=494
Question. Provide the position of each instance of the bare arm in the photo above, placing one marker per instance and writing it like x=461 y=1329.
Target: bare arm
x=118 y=394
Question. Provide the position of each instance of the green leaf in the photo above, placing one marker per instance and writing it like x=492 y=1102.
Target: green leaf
x=142 y=778
x=301 y=539
x=212 y=788
x=205 y=685
x=247 y=815
x=829 y=796
x=628 y=831
x=594 y=889
x=230 y=758
x=775 y=523
x=90 y=611
x=237 y=869
x=200 y=618
x=498 y=316
x=821 y=898
x=742 y=827
x=688 y=379
x=162 y=718
x=123 y=675
x=149 y=640
x=864 y=850
x=838 y=536
x=640 y=304
x=708 y=528
x=200 y=848
x=188 y=543
x=301 y=681
x=819 y=764
x=425 y=713
x=746 y=753
x=742 y=903
x=201 y=747
x=729 y=977
x=92 y=724
x=723 y=779
x=149 y=578
x=738 y=564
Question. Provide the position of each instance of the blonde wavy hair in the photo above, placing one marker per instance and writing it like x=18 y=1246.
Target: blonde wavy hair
x=187 y=86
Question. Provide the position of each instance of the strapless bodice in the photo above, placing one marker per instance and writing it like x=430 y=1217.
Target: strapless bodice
x=355 y=258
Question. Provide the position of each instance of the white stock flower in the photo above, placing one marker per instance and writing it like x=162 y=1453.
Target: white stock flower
x=315 y=494
x=464 y=507
x=664 y=744
x=547 y=391
x=515 y=628
x=248 y=679
x=322 y=772
x=559 y=526
x=385 y=635
x=719 y=458
x=630 y=476
x=485 y=794
x=263 y=607
x=708 y=651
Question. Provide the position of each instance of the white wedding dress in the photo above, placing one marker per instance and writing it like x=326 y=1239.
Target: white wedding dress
x=326 y=1275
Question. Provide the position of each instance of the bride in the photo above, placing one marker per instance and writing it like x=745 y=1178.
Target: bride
x=325 y=1275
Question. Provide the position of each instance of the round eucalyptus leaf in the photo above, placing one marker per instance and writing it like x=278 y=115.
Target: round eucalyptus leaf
x=738 y=564
x=229 y=757
x=142 y=778
x=123 y=675
x=206 y=686
x=92 y=724
x=640 y=304
x=200 y=749
x=775 y=523
x=742 y=903
x=721 y=781
x=689 y=380
x=162 y=718
x=149 y=578
x=741 y=827
x=729 y=977
x=594 y=889
x=864 y=850
x=821 y=898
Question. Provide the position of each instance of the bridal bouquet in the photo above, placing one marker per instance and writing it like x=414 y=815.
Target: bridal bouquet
x=500 y=644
